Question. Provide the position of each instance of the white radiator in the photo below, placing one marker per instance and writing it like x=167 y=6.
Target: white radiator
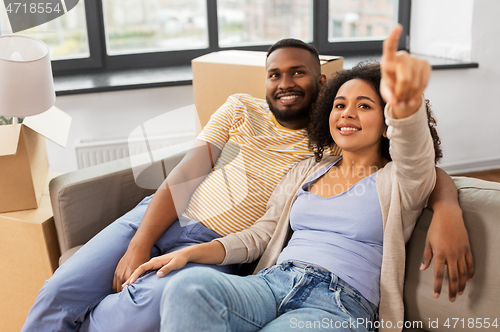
x=90 y=152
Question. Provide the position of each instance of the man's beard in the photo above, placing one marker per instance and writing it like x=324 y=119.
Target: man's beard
x=286 y=115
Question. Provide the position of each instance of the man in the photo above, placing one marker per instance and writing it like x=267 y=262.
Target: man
x=223 y=183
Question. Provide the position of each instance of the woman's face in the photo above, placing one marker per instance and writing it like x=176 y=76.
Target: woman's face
x=357 y=121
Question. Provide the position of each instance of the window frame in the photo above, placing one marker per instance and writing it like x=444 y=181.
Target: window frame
x=355 y=47
x=100 y=61
x=95 y=59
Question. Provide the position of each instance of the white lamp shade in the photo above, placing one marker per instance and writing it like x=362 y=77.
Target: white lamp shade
x=26 y=84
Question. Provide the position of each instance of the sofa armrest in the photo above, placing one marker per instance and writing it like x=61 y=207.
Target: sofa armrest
x=86 y=201
x=480 y=203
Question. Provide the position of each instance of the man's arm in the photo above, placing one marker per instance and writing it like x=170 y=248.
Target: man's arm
x=447 y=239
x=169 y=201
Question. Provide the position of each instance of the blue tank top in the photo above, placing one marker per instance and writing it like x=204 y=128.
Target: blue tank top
x=342 y=234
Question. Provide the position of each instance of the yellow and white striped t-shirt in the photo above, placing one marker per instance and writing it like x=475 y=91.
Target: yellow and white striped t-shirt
x=256 y=153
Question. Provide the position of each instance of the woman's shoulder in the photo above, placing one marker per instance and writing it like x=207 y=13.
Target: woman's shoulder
x=311 y=163
x=386 y=173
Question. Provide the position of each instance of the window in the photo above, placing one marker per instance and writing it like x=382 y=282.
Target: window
x=257 y=22
x=103 y=35
x=73 y=38
x=65 y=36
x=365 y=24
x=141 y=26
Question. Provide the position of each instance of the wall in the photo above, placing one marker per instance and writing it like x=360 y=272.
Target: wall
x=464 y=100
x=442 y=28
x=110 y=115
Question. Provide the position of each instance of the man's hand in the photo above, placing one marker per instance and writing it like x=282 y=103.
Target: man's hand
x=127 y=265
x=404 y=77
x=447 y=240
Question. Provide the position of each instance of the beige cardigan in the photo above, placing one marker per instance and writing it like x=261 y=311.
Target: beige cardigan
x=403 y=187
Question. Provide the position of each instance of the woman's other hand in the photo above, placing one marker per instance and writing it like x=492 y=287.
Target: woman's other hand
x=164 y=264
x=204 y=253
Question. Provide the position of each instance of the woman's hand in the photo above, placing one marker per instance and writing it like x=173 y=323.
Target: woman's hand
x=404 y=77
x=204 y=253
x=164 y=264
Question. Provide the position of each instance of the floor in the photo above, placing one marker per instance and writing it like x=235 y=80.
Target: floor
x=492 y=175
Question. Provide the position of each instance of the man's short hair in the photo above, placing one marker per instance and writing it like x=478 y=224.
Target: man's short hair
x=297 y=43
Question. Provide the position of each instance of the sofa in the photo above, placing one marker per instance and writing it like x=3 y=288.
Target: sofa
x=86 y=201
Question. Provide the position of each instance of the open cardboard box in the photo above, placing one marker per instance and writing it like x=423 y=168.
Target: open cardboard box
x=218 y=75
x=23 y=158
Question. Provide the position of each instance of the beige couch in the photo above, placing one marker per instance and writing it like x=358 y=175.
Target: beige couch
x=85 y=201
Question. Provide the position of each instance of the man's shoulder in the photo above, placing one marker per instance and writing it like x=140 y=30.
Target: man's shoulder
x=243 y=107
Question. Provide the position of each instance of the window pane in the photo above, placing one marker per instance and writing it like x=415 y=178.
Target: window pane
x=360 y=19
x=66 y=35
x=250 y=22
x=139 y=26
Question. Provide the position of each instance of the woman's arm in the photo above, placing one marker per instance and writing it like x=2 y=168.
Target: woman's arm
x=447 y=239
x=242 y=247
x=404 y=78
x=204 y=253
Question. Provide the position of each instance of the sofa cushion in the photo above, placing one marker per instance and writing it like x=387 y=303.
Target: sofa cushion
x=480 y=203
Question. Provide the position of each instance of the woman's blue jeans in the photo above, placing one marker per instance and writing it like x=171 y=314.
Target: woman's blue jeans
x=285 y=297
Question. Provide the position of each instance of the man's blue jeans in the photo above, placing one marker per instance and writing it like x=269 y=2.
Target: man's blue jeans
x=79 y=295
x=285 y=297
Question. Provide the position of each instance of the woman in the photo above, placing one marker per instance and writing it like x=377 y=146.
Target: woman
x=351 y=218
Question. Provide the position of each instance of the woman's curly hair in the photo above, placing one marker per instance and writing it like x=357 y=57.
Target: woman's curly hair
x=318 y=128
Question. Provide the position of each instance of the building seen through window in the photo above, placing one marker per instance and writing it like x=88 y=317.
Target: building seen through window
x=360 y=19
x=251 y=22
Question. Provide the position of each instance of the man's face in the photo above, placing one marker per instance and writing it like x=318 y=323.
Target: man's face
x=292 y=84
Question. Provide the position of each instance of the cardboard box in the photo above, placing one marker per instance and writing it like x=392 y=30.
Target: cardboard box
x=218 y=75
x=29 y=254
x=23 y=158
